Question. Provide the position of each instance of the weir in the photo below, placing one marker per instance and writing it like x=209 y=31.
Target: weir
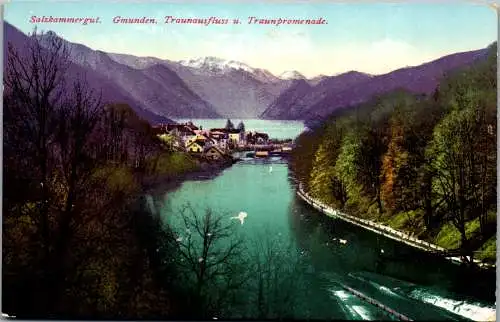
x=368 y=299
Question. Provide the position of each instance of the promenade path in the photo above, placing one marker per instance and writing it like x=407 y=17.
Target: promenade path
x=382 y=229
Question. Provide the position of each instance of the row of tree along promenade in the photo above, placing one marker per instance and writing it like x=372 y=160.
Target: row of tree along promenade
x=383 y=230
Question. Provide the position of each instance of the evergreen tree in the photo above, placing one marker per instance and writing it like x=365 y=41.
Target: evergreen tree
x=229 y=125
x=241 y=126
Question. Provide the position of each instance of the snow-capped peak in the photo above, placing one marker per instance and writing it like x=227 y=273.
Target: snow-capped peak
x=215 y=64
x=292 y=74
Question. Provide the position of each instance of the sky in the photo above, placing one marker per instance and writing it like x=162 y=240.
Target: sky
x=368 y=37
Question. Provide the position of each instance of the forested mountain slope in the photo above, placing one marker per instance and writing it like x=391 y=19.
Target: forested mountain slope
x=425 y=164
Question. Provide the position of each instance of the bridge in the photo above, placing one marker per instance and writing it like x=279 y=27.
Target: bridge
x=277 y=147
x=267 y=150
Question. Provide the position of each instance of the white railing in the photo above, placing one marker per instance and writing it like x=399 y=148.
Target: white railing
x=375 y=227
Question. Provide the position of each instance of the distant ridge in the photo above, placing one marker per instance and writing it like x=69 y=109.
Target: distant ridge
x=352 y=88
x=110 y=91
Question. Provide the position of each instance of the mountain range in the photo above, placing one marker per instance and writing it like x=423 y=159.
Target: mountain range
x=111 y=92
x=210 y=87
x=306 y=102
x=293 y=102
x=235 y=89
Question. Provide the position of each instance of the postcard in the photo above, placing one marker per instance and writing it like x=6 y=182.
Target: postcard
x=249 y=160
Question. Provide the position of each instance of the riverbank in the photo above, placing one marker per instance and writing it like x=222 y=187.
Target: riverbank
x=203 y=170
x=384 y=230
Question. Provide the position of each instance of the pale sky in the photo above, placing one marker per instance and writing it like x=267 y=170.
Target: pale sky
x=362 y=36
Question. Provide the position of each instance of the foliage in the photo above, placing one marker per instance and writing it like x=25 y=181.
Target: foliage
x=78 y=244
x=303 y=155
x=210 y=259
x=275 y=286
x=171 y=164
x=117 y=179
x=229 y=125
x=488 y=251
x=71 y=245
x=323 y=175
x=422 y=164
x=241 y=127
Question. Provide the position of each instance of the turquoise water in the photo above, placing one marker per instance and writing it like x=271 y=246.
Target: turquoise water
x=275 y=129
x=415 y=284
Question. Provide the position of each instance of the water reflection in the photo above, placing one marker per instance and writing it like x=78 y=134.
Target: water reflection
x=303 y=259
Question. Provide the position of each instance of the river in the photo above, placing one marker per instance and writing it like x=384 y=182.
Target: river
x=413 y=283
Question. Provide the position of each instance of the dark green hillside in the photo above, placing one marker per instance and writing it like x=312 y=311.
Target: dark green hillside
x=425 y=165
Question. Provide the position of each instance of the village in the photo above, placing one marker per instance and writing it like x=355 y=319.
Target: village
x=219 y=143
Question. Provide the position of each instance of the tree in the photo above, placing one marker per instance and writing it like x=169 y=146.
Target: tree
x=487 y=158
x=34 y=86
x=35 y=82
x=229 y=125
x=401 y=162
x=454 y=162
x=211 y=259
x=276 y=285
x=322 y=174
x=394 y=159
x=325 y=182
x=431 y=157
x=241 y=127
x=112 y=128
x=78 y=117
x=461 y=154
x=302 y=156
x=59 y=167
x=345 y=165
